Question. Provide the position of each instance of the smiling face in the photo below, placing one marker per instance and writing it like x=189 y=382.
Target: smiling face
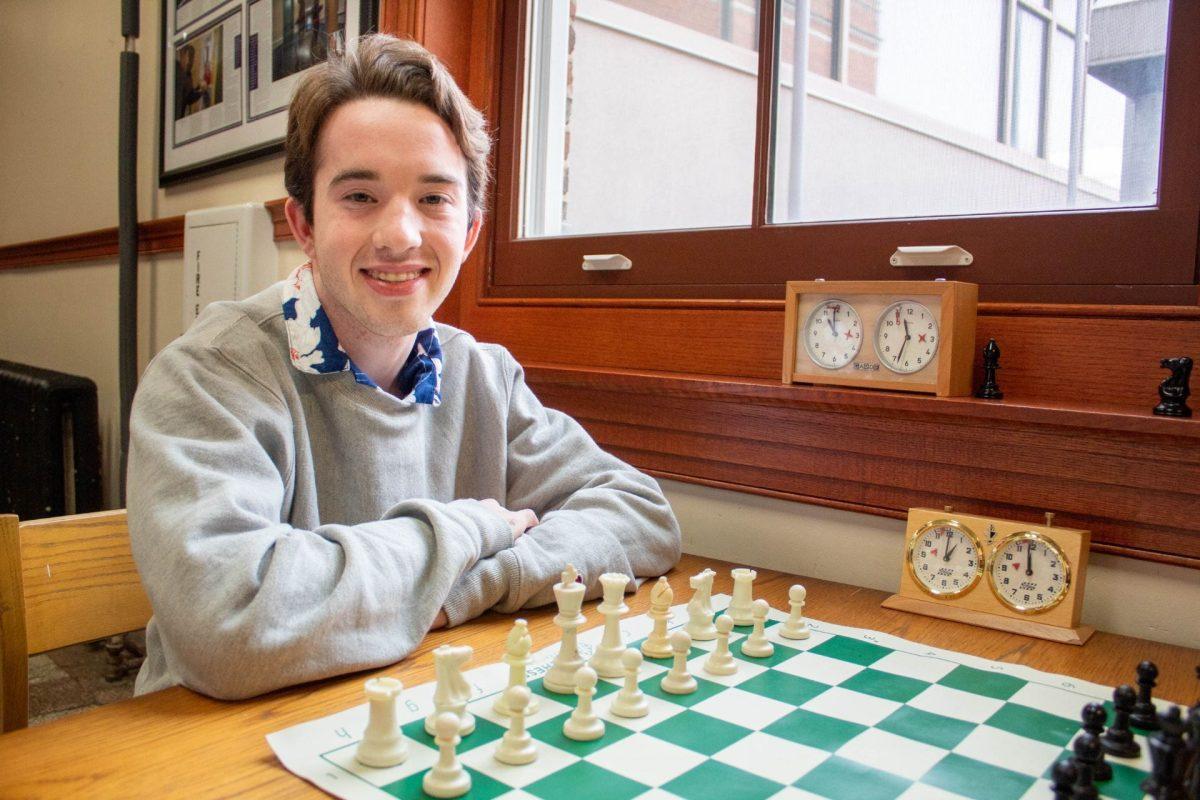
x=391 y=223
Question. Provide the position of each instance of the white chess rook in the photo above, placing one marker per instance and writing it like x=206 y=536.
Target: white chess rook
x=678 y=680
x=720 y=661
x=796 y=627
x=569 y=595
x=516 y=746
x=516 y=655
x=657 y=645
x=383 y=743
x=743 y=596
x=631 y=701
x=452 y=692
x=757 y=645
x=446 y=778
x=607 y=658
x=584 y=724
x=700 y=611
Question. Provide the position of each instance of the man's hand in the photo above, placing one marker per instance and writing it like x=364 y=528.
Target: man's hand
x=440 y=621
x=519 y=521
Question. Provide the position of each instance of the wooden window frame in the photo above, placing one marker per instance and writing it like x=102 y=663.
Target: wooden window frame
x=1145 y=255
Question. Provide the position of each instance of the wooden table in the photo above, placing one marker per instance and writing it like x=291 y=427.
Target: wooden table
x=176 y=742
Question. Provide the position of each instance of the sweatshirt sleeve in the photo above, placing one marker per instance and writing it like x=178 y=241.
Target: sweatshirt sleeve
x=243 y=601
x=594 y=510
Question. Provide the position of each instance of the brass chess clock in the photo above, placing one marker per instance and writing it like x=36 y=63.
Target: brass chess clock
x=997 y=573
x=913 y=336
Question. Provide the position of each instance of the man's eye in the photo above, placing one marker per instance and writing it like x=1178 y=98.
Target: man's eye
x=359 y=197
x=435 y=200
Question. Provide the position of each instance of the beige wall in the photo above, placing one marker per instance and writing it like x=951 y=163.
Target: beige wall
x=58 y=110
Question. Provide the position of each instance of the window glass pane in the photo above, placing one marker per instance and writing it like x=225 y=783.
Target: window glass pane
x=941 y=109
x=639 y=115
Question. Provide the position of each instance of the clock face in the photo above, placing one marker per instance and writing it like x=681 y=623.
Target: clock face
x=945 y=558
x=906 y=337
x=833 y=334
x=1029 y=573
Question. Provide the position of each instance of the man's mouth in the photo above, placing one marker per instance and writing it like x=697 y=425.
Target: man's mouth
x=395 y=277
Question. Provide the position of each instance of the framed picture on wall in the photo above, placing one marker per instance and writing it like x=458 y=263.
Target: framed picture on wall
x=228 y=69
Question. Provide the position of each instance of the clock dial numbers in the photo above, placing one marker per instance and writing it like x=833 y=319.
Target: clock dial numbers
x=1029 y=573
x=906 y=337
x=833 y=334
x=946 y=558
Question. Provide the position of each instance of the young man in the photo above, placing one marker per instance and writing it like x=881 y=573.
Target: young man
x=319 y=474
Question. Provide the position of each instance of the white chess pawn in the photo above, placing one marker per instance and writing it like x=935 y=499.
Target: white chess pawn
x=757 y=645
x=795 y=627
x=584 y=724
x=657 y=645
x=569 y=596
x=700 y=611
x=720 y=661
x=678 y=680
x=516 y=746
x=447 y=778
x=743 y=596
x=516 y=655
x=631 y=701
x=383 y=743
x=607 y=658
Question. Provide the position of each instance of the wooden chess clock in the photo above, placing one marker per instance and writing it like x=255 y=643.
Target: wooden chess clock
x=997 y=573
x=911 y=336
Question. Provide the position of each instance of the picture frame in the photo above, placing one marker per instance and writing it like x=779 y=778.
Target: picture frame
x=227 y=72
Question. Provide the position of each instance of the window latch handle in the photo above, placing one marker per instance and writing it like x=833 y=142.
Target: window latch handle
x=931 y=255
x=604 y=262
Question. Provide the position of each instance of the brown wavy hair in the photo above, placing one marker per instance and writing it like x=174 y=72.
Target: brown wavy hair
x=387 y=67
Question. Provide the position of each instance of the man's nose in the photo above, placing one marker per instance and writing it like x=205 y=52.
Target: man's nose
x=399 y=228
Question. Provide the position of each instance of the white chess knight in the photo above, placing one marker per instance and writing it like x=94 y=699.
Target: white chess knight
x=700 y=611
x=452 y=690
x=516 y=655
x=631 y=701
x=569 y=595
x=657 y=645
x=447 y=778
x=757 y=645
x=516 y=746
x=383 y=743
x=795 y=627
x=743 y=596
x=678 y=680
x=584 y=724
x=720 y=661
x=607 y=658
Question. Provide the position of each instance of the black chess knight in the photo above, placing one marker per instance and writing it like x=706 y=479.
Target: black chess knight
x=1173 y=392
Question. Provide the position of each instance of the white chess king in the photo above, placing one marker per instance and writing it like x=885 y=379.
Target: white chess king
x=569 y=595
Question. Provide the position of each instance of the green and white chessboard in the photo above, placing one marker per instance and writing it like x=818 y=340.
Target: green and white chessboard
x=848 y=714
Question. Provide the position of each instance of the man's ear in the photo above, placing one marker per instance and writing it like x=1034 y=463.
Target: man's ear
x=301 y=229
x=472 y=234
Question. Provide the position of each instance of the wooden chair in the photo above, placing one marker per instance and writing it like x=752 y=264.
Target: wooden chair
x=63 y=580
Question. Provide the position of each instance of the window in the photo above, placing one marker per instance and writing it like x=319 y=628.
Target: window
x=667 y=130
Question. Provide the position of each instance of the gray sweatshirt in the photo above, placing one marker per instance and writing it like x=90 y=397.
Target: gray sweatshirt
x=290 y=526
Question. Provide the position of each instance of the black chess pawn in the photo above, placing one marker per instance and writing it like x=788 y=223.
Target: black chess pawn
x=1166 y=757
x=1191 y=780
x=1118 y=740
x=1062 y=777
x=1145 y=715
x=1094 y=716
x=990 y=390
x=1087 y=752
x=1173 y=391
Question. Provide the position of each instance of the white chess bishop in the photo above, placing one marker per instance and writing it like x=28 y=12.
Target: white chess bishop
x=743 y=596
x=607 y=658
x=383 y=743
x=700 y=611
x=657 y=645
x=569 y=595
x=452 y=692
x=795 y=627
x=516 y=655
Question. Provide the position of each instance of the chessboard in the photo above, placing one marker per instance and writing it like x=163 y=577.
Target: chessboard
x=847 y=714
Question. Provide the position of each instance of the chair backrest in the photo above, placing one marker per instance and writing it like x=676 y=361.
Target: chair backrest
x=63 y=580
